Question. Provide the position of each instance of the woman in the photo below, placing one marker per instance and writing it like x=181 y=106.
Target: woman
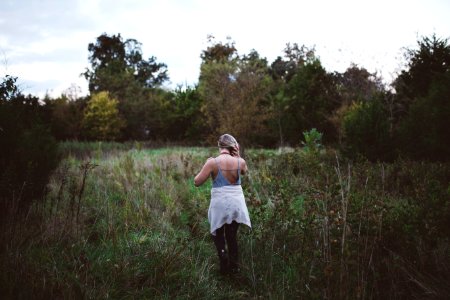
x=227 y=208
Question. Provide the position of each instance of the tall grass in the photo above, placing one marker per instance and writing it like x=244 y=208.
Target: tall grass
x=129 y=223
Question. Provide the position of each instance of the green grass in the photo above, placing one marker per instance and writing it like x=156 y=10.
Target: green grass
x=323 y=227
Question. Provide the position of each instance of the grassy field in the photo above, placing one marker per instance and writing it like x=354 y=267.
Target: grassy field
x=123 y=221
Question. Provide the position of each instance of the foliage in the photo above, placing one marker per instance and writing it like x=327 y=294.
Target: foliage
x=424 y=65
x=357 y=84
x=118 y=67
x=295 y=57
x=8 y=88
x=266 y=104
x=125 y=221
x=84 y=149
x=188 y=121
x=425 y=129
x=66 y=116
x=423 y=99
x=313 y=141
x=218 y=52
x=322 y=228
x=282 y=70
x=366 y=131
x=235 y=96
x=111 y=57
x=101 y=118
x=28 y=152
x=146 y=112
x=309 y=98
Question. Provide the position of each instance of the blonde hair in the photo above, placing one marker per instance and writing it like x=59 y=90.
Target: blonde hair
x=227 y=141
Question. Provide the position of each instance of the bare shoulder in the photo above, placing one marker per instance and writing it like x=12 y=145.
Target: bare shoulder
x=210 y=162
x=243 y=163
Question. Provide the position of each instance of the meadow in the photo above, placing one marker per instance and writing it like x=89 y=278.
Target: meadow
x=126 y=221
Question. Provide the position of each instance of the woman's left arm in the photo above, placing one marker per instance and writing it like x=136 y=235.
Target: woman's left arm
x=203 y=175
x=244 y=167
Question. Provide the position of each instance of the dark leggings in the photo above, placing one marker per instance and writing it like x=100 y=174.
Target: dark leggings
x=227 y=232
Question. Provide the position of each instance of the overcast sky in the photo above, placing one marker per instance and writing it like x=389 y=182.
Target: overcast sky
x=44 y=42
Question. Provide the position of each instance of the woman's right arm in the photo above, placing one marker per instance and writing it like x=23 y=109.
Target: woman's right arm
x=203 y=175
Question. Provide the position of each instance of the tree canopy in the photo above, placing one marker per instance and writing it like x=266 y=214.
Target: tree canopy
x=263 y=103
x=115 y=63
x=235 y=91
x=101 y=118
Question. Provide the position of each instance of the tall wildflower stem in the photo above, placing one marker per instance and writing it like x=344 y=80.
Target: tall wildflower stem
x=344 y=192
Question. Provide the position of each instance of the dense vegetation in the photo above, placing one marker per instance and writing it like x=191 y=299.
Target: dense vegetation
x=264 y=104
x=123 y=223
x=356 y=208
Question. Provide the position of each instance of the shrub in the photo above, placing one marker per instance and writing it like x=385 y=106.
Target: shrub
x=425 y=129
x=323 y=228
x=28 y=152
x=313 y=141
x=101 y=118
x=366 y=131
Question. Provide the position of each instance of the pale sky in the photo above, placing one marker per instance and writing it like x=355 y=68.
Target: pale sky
x=44 y=42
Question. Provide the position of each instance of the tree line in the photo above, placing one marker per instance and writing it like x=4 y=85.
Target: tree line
x=264 y=103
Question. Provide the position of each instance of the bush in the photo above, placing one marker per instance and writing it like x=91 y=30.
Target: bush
x=28 y=152
x=323 y=228
x=101 y=118
x=313 y=141
x=366 y=131
x=425 y=129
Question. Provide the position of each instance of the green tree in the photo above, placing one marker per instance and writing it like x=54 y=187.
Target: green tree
x=65 y=116
x=295 y=56
x=423 y=101
x=154 y=114
x=366 y=130
x=218 y=52
x=424 y=133
x=357 y=85
x=426 y=64
x=116 y=63
x=188 y=121
x=313 y=141
x=282 y=71
x=235 y=93
x=8 y=88
x=101 y=118
x=28 y=152
x=308 y=101
x=117 y=66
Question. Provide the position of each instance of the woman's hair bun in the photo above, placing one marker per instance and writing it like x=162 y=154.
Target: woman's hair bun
x=227 y=141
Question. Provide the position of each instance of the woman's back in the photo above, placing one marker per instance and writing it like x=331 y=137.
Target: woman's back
x=227 y=208
x=229 y=168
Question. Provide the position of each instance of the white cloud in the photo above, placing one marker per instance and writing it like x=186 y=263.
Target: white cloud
x=61 y=75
